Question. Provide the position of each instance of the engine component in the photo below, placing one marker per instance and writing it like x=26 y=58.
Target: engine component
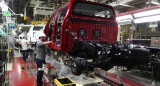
x=105 y=56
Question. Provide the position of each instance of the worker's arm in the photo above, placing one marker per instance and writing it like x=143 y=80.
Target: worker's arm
x=40 y=44
x=47 y=42
x=30 y=43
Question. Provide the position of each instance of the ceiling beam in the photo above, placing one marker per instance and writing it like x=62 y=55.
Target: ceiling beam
x=156 y=2
x=118 y=2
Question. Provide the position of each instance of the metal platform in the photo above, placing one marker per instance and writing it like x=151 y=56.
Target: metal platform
x=135 y=77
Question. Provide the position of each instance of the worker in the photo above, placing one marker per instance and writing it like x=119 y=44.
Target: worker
x=20 y=46
x=24 y=46
x=40 y=57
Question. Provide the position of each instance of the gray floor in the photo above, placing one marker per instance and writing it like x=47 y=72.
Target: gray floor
x=136 y=78
x=64 y=71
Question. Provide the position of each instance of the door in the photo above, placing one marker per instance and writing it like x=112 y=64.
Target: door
x=61 y=16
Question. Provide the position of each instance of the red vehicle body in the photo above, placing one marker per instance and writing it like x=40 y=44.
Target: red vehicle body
x=108 y=27
x=87 y=31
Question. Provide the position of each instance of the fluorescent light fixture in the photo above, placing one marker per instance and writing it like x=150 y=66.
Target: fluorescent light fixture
x=147 y=13
x=3 y=6
x=22 y=15
x=147 y=19
x=124 y=22
x=125 y=17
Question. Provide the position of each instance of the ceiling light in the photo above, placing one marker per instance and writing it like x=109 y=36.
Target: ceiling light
x=147 y=13
x=147 y=19
x=22 y=15
x=3 y=6
x=124 y=22
x=125 y=17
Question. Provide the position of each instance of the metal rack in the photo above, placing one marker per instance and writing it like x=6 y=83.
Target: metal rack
x=125 y=32
x=3 y=60
x=49 y=79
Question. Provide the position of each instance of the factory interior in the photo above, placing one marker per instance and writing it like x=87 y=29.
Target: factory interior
x=79 y=42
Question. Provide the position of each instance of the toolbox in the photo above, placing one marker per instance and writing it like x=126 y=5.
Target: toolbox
x=64 y=82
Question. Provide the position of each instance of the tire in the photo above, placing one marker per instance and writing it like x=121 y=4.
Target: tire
x=106 y=67
x=76 y=68
x=158 y=55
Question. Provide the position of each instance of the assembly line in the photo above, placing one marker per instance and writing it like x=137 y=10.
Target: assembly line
x=80 y=43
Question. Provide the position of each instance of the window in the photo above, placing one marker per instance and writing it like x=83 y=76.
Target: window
x=53 y=18
x=34 y=34
x=59 y=22
x=37 y=28
x=93 y=10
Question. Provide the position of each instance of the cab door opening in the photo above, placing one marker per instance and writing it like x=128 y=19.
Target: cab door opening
x=59 y=24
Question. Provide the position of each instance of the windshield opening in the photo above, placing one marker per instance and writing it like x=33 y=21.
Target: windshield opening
x=37 y=28
x=93 y=10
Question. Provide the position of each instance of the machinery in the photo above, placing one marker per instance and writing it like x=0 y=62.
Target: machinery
x=155 y=41
x=84 y=35
x=152 y=68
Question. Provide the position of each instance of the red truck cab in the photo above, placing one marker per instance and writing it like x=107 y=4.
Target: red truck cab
x=85 y=33
x=89 y=21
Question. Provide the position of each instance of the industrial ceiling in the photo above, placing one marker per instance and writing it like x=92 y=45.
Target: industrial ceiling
x=120 y=6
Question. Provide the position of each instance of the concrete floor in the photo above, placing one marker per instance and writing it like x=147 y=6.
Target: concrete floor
x=136 y=77
x=64 y=71
x=10 y=59
x=82 y=79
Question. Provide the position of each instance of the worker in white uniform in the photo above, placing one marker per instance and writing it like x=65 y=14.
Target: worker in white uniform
x=24 y=44
x=40 y=57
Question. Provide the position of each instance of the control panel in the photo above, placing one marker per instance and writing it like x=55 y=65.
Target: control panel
x=155 y=41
